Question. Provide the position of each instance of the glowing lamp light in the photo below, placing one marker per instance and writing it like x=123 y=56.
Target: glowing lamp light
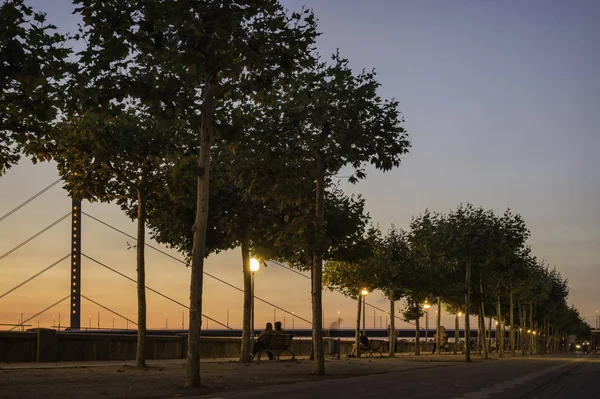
x=364 y=292
x=254 y=265
x=459 y=314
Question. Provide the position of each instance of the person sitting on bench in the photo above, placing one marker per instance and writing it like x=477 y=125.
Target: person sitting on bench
x=262 y=341
x=278 y=329
x=364 y=344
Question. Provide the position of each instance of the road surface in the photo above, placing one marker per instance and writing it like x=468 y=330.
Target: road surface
x=547 y=377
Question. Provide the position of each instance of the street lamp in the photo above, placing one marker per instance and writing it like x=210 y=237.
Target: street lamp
x=457 y=329
x=254 y=265
x=338 y=319
x=426 y=306
x=364 y=292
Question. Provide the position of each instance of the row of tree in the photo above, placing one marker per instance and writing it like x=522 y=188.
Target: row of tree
x=166 y=100
x=476 y=262
x=217 y=125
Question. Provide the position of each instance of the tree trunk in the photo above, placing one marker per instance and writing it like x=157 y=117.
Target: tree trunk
x=392 y=325
x=468 y=313
x=480 y=334
x=531 y=328
x=246 y=327
x=524 y=342
x=417 y=338
x=357 y=332
x=192 y=369
x=489 y=335
x=548 y=337
x=456 y=334
x=484 y=346
x=511 y=337
x=140 y=356
x=500 y=339
x=317 y=293
x=438 y=339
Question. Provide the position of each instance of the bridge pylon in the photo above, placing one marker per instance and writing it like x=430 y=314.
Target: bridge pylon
x=75 y=283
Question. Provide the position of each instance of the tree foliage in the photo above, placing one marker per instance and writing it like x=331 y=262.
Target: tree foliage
x=32 y=63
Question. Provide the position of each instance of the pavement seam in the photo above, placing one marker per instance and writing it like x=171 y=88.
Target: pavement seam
x=552 y=381
x=504 y=385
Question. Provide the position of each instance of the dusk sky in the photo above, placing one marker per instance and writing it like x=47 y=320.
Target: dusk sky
x=502 y=104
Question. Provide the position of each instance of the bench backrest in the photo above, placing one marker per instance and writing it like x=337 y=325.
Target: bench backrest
x=375 y=343
x=281 y=341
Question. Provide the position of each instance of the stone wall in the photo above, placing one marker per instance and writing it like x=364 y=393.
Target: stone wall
x=47 y=345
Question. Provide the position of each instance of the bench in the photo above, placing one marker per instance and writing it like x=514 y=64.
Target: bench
x=279 y=343
x=373 y=347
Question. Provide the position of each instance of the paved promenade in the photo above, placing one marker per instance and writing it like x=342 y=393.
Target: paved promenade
x=446 y=376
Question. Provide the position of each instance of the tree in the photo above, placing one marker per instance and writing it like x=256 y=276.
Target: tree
x=393 y=261
x=107 y=153
x=32 y=62
x=350 y=277
x=335 y=119
x=197 y=54
x=466 y=235
x=235 y=219
x=427 y=249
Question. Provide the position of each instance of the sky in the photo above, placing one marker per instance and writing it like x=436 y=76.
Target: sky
x=501 y=102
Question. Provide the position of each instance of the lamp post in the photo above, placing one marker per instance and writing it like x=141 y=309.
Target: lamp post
x=254 y=265
x=166 y=322
x=426 y=306
x=364 y=292
x=339 y=319
x=457 y=332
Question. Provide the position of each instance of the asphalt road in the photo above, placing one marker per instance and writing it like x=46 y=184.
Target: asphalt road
x=548 y=377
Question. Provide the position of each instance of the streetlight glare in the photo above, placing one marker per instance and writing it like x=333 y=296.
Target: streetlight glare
x=254 y=265
x=426 y=305
x=459 y=314
x=364 y=292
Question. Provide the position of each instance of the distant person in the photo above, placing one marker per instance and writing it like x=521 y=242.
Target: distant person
x=262 y=341
x=443 y=339
x=364 y=344
x=278 y=329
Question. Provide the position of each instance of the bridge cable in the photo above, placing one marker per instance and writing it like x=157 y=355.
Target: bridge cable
x=39 y=233
x=335 y=289
x=108 y=309
x=29 y=200
x=39 y=313
x=206 y=273
x=226 y=283
x=150 y=289
x=34 y=276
